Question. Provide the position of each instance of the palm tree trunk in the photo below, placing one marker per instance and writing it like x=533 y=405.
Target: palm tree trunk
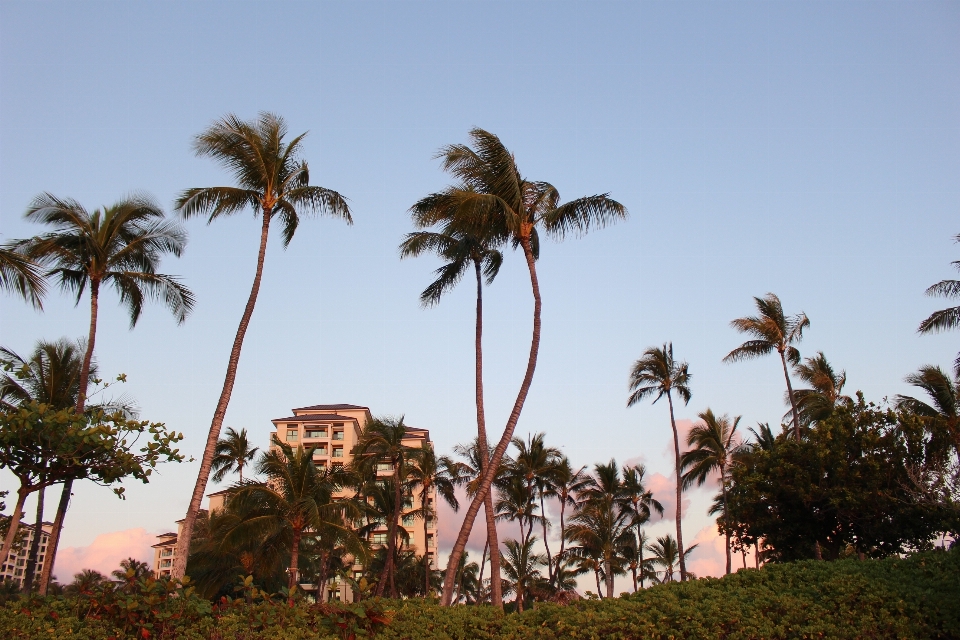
x=426 y=549
x=546 y=545
x=31 y=568
x=634 y=571
x=676 y=450
x=294 y=564
x=793 y=401
x=22 y=494
x=496 y=593
x=726 y=527
x=596 y=573
x=643 y=569
x=186 y=531
x=322 y=577
x=505 y=439
x=563 y=537
x=608 y=576
x=61 y=514
x=483 y=564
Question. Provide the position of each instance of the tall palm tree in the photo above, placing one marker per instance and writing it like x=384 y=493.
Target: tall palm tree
x=295 y=499
x=942 y=412
x=658 y=374
x=495 y=193
x=233 y=453
x=772 y=331
x=639 y=500
x=520 y=564
x=432 y=475
x=274 y=182
x=382 y=442
x=21 y=275
x=460 y=243
x=945 y=319
x=666 y=553
x=818 y=402
x=567 y=484
x=537 y=465
x=713 y=450
x=120 y=247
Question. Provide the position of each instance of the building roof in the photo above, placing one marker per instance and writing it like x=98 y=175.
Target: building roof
x=168 y=539
x=330 y=407
x=311 y=417
x=222 y=492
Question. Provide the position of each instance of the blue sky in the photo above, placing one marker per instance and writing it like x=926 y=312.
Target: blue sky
x=811 y=149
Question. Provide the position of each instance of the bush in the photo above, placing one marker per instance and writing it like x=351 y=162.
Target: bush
x=918 y=597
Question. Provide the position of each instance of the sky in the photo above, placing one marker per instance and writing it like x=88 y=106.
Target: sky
x=811 y=149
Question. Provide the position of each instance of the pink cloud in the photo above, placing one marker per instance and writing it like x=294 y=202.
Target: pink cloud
x=683 y=428
x=709 y=559
x=664 y=489
x=105 y=553
x=450 y=522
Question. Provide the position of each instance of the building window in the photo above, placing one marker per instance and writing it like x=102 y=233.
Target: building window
x=384 y=466
x=378 y=538
x=338 y=435
x=316 y=432
x=431 y=541
x=320 y=451
x=411 y=539
x=320 y=464
x=338 y=452
x=292 y=435
x=408 y=521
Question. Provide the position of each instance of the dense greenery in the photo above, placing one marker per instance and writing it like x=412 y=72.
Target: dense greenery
x=917 y=597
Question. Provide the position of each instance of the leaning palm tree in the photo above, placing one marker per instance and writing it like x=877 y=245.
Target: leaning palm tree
x=820 y=401
x=233 y=453
x=275 y=183
x=23 y=276
x=118 y=247
x=713 y=449
x=658 y=374
x=432 y=475
x=772 y=331
x=493 y=193
x=460 y=243
x=942 y=411
x=945 y=319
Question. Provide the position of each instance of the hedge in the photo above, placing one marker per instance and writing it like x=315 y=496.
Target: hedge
x=916 y=597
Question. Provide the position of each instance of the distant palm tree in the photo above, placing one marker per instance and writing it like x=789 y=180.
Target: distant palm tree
x=382 y=442
x=460 y=243
x=132 y=570
x=945 y=319
x=20 y=274
x=521 y=566
x=517 y=503
x=658 y=374
x=666 y=554
x=536 y=464
x=819 y=402
x=772 y=331
x=85 y=582
x=713 y=450
x=635 y=497
x=567 y=484
x=431 y=474
x=763 y=438
x=942 y=412
x=497 y=196
x=233 y=453
x=275 y=183
x=118 y=246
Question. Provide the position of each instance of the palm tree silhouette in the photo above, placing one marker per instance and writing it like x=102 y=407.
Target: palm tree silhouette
x=520 y=564
x=430 y=473
x=945 y=319
x=666 y=553
x=21 y=275
x=275 y=183
x=658 y=374
x=639 y=500
x=713 y=450
x=118 y=246
x=498 y=197
x=233 y=453
x=942 y=412
x=536 y=464
x=820 y=401
x=772 y=331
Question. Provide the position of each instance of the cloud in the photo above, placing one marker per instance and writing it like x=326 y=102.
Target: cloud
x=664 y=489
x=709 y=559
x=450 y=521
x=104 y=553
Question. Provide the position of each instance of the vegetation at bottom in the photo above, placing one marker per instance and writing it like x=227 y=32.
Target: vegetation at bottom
x=916 y=597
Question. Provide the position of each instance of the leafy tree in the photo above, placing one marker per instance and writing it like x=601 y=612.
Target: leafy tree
x=521 y=566
x=658 y=374
x=233 y=453
x=121 y=247
x=493 y=193
x=713 y=449
x=945 y=319
x=825 y=393
x=274 y=182
x=772 y=331
x=21 y=275
x=432 y=476
x=460 y=242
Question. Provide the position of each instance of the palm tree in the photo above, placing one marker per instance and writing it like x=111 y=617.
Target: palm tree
x=942 y=412
x=520 y=564
x=85 y=582
x=295 y=499
x=666 y=553
x=635 y=497
x=433 y=476
x=275 y=183
x=658 y=374
x=132 y=570
x=517 y=503
x=495 y=195
x=460 y=243
x=945 y=319
x=772 y=331
x=119 y=246
x=820 y=401
x=713 y=450
x=537 y=464
x=382 y=442
x=20 y=274
x=567 y=483
x=233 y=453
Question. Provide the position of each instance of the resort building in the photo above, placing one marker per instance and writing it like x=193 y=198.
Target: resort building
x=15 y=564
x=332 y=430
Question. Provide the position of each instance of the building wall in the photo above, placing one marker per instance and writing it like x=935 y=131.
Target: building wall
x=16 y=562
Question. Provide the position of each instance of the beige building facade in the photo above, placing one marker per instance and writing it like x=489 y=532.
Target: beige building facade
x=15 y=564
